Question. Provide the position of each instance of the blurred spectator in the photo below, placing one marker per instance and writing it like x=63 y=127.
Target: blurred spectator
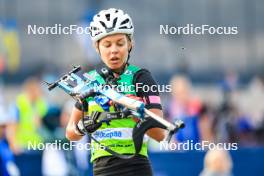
x=255 y=95
x=81 y=155
x=224 y=124
x=230 y=83
x=7 y=163
x=235 y=116
x=190 y=109
x=30 y=107
x=251 y=124
x=217 y=163
x=205 y=124
x=227 y=114
x=3 y=52
x=9 y=45
x=51 y=155
x=52 y=129
x=2 y=64
x=68 y=162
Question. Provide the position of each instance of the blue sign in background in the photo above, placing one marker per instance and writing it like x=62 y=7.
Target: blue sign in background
x=245 y=162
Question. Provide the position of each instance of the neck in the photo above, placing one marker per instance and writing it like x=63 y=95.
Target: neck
x=119 y=71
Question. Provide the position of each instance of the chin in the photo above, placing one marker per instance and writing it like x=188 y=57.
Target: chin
x=115 y=66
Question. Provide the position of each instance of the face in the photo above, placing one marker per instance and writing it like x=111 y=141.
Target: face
x=181 y=88
x=113 y=50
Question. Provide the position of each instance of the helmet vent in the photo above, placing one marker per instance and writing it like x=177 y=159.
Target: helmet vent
x=125 y=21
x=107 y=17
x=124 y=27
x=114 y=22
x=103 y=24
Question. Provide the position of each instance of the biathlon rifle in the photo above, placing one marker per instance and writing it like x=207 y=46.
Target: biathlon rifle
x=82 y=86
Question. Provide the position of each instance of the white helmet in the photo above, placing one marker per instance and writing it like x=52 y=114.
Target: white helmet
x=110 y=21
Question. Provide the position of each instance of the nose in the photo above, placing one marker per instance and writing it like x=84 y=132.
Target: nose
x=114 y=49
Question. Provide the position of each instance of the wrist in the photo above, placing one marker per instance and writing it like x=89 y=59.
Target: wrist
x=78 y=129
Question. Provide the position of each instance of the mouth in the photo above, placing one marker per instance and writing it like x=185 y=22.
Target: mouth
x=114 y=60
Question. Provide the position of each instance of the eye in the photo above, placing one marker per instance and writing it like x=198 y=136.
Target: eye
x=107 y=44
x=120 y=43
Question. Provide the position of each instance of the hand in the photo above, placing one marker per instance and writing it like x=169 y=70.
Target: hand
x=135 y=98
x=88 y=124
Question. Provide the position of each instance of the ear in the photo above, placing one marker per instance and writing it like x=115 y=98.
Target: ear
x=96 y=46
x=130 y=45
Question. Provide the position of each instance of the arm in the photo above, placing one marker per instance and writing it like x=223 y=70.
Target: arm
x=151 y=100
x=156 y=133
x=11 y=130
x=71 y=131
x=11 y=138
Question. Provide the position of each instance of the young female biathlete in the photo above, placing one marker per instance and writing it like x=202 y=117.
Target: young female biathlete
x=112 y=33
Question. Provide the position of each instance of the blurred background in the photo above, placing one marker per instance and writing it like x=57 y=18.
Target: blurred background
x=217 y=81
